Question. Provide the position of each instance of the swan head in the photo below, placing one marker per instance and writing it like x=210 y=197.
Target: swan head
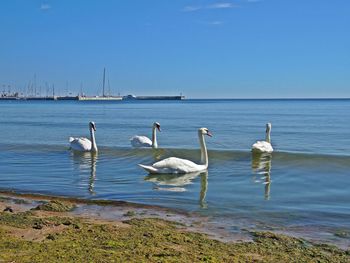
x=92 y=125
x=157 y=125
x=205 y=131
x=268 y=127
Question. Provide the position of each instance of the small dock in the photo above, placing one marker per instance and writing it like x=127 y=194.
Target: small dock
x=98 y=98
x=160 y=97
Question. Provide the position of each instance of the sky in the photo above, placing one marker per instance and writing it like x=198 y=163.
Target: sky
x=200 y=48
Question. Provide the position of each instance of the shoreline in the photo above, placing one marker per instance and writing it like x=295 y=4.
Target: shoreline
x=221 y=229
x=111 y=210
x=71 y=230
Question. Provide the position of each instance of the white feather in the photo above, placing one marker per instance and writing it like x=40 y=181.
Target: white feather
x=262 y=146
x=140 y=141
x=80 y=144
x=173 y=165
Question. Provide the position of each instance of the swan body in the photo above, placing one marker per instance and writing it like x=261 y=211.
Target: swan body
x=138 y=141
x=264 y=146
x=80 y=144
x=174 y=165
x=83 y=144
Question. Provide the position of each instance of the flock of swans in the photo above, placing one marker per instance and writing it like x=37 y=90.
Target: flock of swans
x=171 y=165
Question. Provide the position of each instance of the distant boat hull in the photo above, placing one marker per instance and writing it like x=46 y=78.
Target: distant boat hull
x=9 y=98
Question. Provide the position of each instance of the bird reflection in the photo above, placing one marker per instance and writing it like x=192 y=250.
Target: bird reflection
x=261 y=165
x=177 y=183
x=87 y=161
x=158 y=153
x=204 y=188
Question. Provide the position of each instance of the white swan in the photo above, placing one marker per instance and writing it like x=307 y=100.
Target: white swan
x=264 y=146
x=83 y=144
x=175 y=165
x=143 y=141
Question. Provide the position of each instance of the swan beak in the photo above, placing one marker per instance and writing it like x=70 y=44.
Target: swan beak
x=158 y=128
x=209 y=134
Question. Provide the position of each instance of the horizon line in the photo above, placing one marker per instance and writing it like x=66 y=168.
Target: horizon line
x=276 y=98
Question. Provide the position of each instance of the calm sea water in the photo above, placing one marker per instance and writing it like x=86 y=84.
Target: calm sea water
x=303 y=186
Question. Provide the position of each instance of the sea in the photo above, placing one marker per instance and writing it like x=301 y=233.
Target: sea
x=302 y=188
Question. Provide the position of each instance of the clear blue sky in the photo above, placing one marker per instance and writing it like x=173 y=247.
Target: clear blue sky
x=219 y=49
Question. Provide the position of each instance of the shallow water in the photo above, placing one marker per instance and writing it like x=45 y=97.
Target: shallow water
x=303 y=185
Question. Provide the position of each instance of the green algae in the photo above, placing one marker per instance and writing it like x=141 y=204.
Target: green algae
x=55 y=206
x=20 y=220
x=342 y=233
x=130 y=213
x=29 y=220
x=149 y=240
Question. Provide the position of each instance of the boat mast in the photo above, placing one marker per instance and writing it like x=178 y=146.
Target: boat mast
x=109 y=88
x=104 y=78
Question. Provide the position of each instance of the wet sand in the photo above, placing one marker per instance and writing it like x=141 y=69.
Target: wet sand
x=112 y=211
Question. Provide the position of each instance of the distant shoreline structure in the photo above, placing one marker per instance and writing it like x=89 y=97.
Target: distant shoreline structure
x=16 y=96
x=35 y=94
x=88 y=98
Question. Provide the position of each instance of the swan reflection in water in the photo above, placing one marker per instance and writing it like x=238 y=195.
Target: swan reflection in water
x=158 y=153
x=177 y=183
x=86 y=162
x=261 y=165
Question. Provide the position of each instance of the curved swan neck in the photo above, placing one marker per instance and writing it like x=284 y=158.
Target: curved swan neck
x=154 y=137
x=93 y=141
x=204 y=153
x=268 y=135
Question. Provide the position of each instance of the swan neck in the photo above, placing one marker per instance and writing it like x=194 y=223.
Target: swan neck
x=154 y=137
x=268 y=136
x=93 y=141
x=204 y=153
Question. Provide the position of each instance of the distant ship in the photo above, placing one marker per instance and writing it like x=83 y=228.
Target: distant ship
x=9 y=96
